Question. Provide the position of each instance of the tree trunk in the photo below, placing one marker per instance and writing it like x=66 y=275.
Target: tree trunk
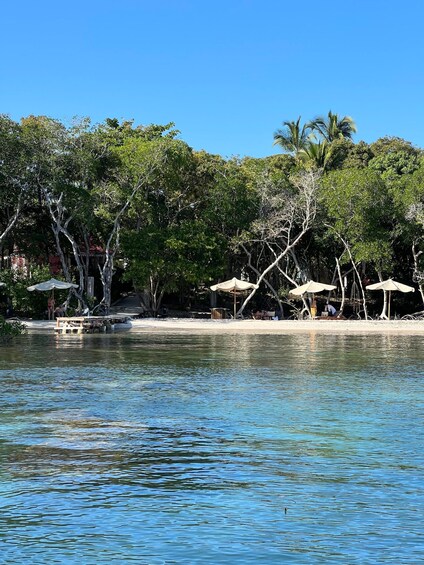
x=347 y=247
x=290 y=216
x=13 y=219
x=60 y=226
x=418 y=274
x=270 y=267
x=267 y=283
x=339 y=272
x=383 y=314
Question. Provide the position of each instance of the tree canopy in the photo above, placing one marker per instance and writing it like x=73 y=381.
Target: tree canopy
x=135 y=207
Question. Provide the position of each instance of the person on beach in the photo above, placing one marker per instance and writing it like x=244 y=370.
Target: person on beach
x=331 y=310
x=59 y=311
x=50 y=308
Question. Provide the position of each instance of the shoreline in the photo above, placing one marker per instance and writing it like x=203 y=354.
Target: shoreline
x=207 y=326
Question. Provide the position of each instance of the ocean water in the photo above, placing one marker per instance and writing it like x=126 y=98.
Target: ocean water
x=178 y=449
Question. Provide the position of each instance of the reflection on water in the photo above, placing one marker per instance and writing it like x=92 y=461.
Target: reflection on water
x=211 y=449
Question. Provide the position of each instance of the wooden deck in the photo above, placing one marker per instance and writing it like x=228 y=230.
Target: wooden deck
x=87 y=324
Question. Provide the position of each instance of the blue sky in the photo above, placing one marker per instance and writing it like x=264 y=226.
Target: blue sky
x=226 y=72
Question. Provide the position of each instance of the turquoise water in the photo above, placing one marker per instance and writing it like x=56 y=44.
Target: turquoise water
x=211 y=449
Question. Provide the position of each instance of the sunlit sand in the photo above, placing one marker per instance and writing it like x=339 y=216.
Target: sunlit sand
x=280 y=326
x=192 y=325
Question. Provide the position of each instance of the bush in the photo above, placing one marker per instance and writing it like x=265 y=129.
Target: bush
x=10 y=329
x=25 y=303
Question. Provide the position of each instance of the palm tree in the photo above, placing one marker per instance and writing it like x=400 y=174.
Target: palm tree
x=333 y=127
x=292 y=137
x=316 y=154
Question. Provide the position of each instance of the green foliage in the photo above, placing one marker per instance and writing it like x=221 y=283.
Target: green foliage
x=230 y=201
x=292 y=137
x=333 y=127
x=358 y=156
x=116 y=132
x=358 y=207
x=385 y=145
x=408 y=198
x=177 y=256
x=319 y=143
x=394 y=157
x=409 y=191
x=13 y=167
x=181 y=213
x=392 y=165
x=283 y=164
x=10 y=329
x=25 y=303
x=316 y=155
x=344 y=154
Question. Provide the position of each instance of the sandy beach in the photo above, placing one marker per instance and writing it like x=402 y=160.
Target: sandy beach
x=195 y=326
x=278 y=327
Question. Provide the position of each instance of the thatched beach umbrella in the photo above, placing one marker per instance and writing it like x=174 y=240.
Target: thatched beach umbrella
x=390 y=285
x=51 y=284
x=234 y=286
x=311 y=287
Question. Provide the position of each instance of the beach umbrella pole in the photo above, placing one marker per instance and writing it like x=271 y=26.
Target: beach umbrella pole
x=390 y=293
x=235 y=305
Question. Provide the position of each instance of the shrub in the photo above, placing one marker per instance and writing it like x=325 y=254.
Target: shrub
x=25 y=303
x=10 y=329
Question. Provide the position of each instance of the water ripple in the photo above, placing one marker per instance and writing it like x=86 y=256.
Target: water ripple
x=212 y=449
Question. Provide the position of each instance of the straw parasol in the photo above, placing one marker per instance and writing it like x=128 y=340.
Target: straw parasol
x=390 y=285
x=51 y=284
x=311 y=287
x=233 y=286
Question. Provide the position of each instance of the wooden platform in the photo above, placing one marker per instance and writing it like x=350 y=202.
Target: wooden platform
x=87 y=324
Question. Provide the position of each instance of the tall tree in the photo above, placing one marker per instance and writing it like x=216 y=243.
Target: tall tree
x=317 y=155
x=145 y=167
x=408 y=196
x=292 y=137
x=358 y=208
x=286 y=213
x=13 y=175
x=58 y=178
x=333 y=126
x=394 y=157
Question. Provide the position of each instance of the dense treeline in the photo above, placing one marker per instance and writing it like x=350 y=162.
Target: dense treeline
x=136 y=207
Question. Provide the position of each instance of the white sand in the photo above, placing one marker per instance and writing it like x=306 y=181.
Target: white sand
x=276 y=327
x=196 y=326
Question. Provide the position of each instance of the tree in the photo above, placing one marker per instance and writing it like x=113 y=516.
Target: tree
x=285 y=215
x=13 y=171
x=316 y=155
x=357 y=156
x=292 y=137
x=394 y=157
x=59 y=181
x=182 y=228
x=146 y=189
x=408 y=196
x=166 y=259
x=22 y=302
x=358 y=208
x=333 y=127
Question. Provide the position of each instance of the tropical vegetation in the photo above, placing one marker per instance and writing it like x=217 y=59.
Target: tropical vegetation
x=121 y=207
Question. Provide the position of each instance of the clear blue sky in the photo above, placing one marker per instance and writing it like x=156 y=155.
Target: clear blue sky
x=226 y=72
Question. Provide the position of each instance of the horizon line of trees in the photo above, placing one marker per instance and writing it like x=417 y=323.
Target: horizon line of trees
x=136 y=204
